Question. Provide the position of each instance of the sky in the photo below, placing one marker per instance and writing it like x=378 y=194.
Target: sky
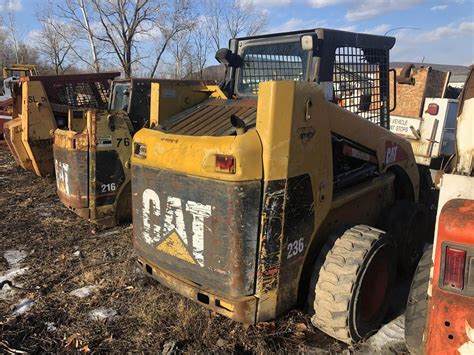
x=441 y=31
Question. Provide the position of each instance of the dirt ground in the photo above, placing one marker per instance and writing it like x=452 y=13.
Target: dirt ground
x=50 y=252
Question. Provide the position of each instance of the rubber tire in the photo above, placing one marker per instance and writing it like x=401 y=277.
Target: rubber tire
x=338 y=277
x=404 y=219
x=417 y=304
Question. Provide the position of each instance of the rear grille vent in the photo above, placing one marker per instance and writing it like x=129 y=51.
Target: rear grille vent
x=212 y=118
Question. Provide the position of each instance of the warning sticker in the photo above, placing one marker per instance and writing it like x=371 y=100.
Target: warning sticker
x=104 y=141
x=404 y=125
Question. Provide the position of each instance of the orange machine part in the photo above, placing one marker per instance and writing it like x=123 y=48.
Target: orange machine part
x=451 y=313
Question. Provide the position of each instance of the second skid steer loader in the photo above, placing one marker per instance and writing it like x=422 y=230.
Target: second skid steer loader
x=273 y=192
x=92 y=156
x=41 y=105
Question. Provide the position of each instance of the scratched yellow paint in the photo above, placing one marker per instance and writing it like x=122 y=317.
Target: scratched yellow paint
x=173 y=245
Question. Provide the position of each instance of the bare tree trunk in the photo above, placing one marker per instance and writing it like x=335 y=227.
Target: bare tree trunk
x=79 y=16
x=178 y=16
x=12 y=28
x=122 y=21
x=128 y=61
x=199 y=49
x=91 y=38
x=180 y=52
x=51 y=43
x=241 y=17
x=158 y=58
x=214 y=11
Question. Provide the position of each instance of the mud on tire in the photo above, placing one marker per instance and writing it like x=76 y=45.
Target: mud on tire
x=351 y=283
x=417 y=304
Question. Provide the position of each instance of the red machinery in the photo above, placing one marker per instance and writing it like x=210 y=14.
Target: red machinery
x=440 y=309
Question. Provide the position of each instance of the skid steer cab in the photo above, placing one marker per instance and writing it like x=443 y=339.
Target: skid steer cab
x=41 y=105
x=274 y=188
x=92 y=156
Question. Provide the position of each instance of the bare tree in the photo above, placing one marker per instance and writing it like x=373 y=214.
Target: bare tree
x=213 y=13
x=241 y=18
x=28 y=54
x=232 y=18
x=14 y=36
x=12 y=47
x=122 y=22
x=177 y=17
x=78 y=13
x=4 y=54
x=136 y=34
x=90 y=35
x=200 y=48
x=51 y=44
x=180 y=50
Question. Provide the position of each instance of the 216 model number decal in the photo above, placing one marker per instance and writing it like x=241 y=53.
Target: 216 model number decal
x=295 y=248
x=108 y=187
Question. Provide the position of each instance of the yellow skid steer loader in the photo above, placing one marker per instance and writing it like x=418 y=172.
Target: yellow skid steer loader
x=272 y=193
x=92 y=156
x=41 y=104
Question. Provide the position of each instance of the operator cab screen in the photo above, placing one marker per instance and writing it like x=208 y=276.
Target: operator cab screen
x=275 y=61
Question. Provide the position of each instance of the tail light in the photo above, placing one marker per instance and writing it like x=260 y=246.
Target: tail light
x=454 y=264
x=225 y=164
x=433 y=109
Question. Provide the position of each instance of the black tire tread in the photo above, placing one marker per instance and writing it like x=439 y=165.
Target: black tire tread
x=416 y=310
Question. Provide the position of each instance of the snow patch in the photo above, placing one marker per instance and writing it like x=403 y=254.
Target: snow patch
x=102 y=313
x=83 y=291
x=50 y=327
x=6 y=292
x=109 y=232
x=468 y=346
x=14 y=257
x=23 y=306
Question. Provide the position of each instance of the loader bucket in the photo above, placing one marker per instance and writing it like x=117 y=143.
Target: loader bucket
x=12 y=133
x=42 y=105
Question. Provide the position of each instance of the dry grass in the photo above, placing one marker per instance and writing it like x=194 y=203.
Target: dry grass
x=149 y=316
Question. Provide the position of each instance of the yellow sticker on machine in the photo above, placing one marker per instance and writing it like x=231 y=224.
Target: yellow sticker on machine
x=173 y=245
